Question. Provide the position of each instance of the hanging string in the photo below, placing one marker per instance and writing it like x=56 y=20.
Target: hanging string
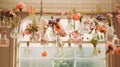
x=41 y=9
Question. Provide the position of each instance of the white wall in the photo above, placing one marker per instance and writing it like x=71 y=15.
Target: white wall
x=64 y=5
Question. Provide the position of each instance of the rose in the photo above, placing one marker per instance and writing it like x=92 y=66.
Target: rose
x=20 y=6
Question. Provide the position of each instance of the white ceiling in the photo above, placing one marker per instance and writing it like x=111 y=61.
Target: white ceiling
x=64 y=5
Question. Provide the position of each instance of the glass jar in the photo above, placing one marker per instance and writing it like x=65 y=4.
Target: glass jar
x=4 y=41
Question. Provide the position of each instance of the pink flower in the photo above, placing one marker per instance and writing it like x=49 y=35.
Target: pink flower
x=109 y=15
x=109 y=48
x=118 y=18
x=31 y=9
x=43 y=41
x=4 y=33
x=26 y=32
x=20 y=6
x=75 y=34
x=118 y=50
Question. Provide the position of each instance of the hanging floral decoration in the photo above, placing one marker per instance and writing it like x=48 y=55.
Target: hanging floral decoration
x=8 y=18
x=110 y=48
x=32 y=29
x=117 y=6
x=76 y=37
x=102 y=29
x=20 y=6
x=56 y=25
x=100 y=17
x=109 y=18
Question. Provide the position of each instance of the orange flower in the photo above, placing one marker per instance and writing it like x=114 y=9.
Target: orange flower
x=76 y=16
x=60 y=30
x=102 y=29
x=20 y=6
x=31 y=9
x=44 y=53
x=118 y=50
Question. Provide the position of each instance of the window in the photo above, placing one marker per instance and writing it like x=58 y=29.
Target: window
x=66 y=56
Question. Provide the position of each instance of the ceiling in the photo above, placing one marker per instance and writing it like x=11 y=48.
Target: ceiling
x=64 y=5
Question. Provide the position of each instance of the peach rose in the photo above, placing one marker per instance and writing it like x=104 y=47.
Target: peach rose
x=20 y=6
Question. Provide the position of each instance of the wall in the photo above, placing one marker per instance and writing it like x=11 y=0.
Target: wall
x=64 y=5
x=6 y=53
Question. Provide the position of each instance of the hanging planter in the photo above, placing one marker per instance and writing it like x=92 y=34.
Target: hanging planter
x=94 y=42
x=27 y=50
x=4 y=41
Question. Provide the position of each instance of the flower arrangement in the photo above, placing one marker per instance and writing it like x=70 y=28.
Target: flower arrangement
x=32 y=29
x=7 y=18
x=56 y=25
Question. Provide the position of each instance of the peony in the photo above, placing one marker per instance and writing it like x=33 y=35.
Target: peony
x=20 y=6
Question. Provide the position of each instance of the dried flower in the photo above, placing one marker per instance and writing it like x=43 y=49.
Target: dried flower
x=31 y=9
x=100 y=17
x=60 y=30
x=43 y=41
x=44 y=53
x=4 y=33
x=20 y=6
x=76 y=16
x=109 y=48
x=118 y=18
x=75 y=34
x=10 y=14
x=118 y=50
x=94 y=41
x=102 y=29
